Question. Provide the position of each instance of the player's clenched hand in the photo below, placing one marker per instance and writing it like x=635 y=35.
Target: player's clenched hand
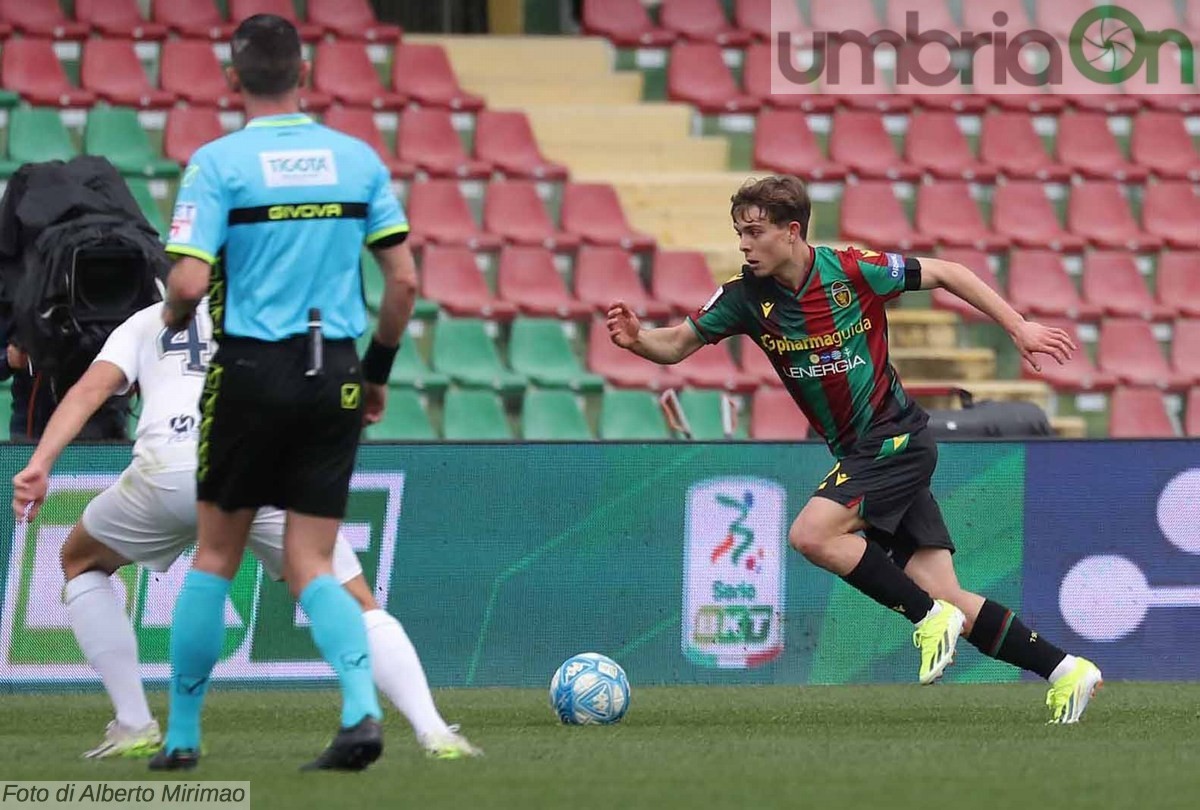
x=1033 y=338
x=29 y=490
x=374 y=402
x=623 y=325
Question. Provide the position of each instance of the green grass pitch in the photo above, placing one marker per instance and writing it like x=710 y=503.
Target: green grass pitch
x=886 y=747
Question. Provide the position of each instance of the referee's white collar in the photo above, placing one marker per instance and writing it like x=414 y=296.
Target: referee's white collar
x=282 y=120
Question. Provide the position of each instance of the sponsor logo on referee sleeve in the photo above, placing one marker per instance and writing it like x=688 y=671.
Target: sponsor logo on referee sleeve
x=298 y=167
x=182 y=223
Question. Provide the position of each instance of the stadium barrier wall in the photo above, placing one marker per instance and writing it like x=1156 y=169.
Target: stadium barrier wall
x=503 y=560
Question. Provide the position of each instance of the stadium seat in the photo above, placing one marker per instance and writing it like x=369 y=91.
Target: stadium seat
x=947 y=213
x=760 y=18
x=463 y=351
x=1139 y=413
x=703 y=407
x=980 y=15
x=783 y=143
x=1112 y=282
x=506 y=140
x=140 y=189
x=37 y=134
x=697 y=75
x=1058 y=17
x=342 y=70
x=631 y=416
x=116 y=133
x=29 y=67
x=118 y=18
x=1171 y=211
x=1128 y=349
x=474 y=416
x=111 y=69
x=624 y=368
x=977 y=262
x=1179 y=282
x=713 y=367
x=1185 y=350
x=527 y=277
x=513 y=211
x=1022 y=212
x=428 y=140
x=1008 y=142
x=756 y=80
x=404 y=419
x=423 y=73
x=1161 y=143
x=360 y=122
x=553 y=416
x=1168 y=93
x=1039 y=285
x=853 y=88
x=871 y=214
x=1077 y=375
x=860 y=143
x=593 y=212
x=936 y=145
x=681 y=280
x=843 y=15
x=932 y=16
x=351 y=19
x=241 y=9
x=757 y=364
x=952 y=96
x=626 y=23
x=41 y=18
x=189 y=69
x=606 y=274
x=1098 y=212
x=411 y=371
x=1079 y=92
x=538 y=349
x=987 y=83
x=774 y=416
x=701 y=21
x=193 y=18
x=1191 y=425
x=1156 y=15
x=450 y=277
x=439 y=214
x=1086 y=145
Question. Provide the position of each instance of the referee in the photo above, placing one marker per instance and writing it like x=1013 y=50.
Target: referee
x=268 y=223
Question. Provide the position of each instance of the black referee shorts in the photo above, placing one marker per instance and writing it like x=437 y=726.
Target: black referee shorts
x=271 y=436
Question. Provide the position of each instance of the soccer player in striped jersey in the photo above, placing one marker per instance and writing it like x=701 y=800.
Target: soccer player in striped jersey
x=819 y=315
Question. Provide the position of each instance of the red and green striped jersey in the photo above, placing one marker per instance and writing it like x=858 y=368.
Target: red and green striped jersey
x=827 y=341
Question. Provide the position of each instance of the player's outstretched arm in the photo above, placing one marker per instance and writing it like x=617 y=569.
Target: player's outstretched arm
x=99 y=382
x=665 y=346
x=1031 y=338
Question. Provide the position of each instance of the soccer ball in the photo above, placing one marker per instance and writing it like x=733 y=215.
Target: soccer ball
x=588 y=689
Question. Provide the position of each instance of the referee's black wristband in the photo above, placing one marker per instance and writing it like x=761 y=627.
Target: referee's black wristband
x=377 y=362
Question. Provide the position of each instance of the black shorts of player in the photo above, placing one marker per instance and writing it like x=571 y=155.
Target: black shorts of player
x=272 y=436
x=887 y=479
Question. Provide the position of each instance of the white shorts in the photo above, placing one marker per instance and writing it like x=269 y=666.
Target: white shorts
x=151 y=520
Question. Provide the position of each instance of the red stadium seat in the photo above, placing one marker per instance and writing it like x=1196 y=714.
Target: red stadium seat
x=111 y=69
x=193 y=18
x=625 y=22
x=189 y=128
x=1098 y=212
x=118 y=18
x=1192 y=420
x=513 y=211
x=948 y=96
x=1156 y=15
x=1171 y=211
x=872 y=215
x=775 y=416
x=697 y=74
x=1021 y=211
x=526 y=276
x=1179 y=282
x=606 y=274
x=1086 y=145
x=1077 y=375
x=701 y=21
x=189 y=69
x=450 y=277
x=1139 y=413
x=756 y=78
x=342 y=70
x=241 y=9
x=783 y=143
x=758 y=16
x=946 y=213
x=860 y=143
x=977 y=262
x=1058 y=17
x=1128 y=350
x=351 y=19
x=681 y=279
x=1009 y=142
x=41 y=18
x=1000 y=88
x=1112 y=282
x=593 y=212
x=506 y=140
x=1161 y=143
x=29 y=67
x=713 y=367
x=423 y=73
x=931 y=15
x=936 y=145
x=843 y=15
x=428 y=140
x=360 y=122
x=1038 y=285
x=757 y=364
x=1185 y=350
x=981 y=15
x=624 y=368
x=844 y=79
x=440 y=215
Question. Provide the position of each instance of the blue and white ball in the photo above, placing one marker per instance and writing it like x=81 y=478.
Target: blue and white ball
x=589 y=689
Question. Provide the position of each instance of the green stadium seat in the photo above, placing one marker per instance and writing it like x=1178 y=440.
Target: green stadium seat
x=474 y=416
x=553 y=416
x=631 y=415
x=140 y=187
x=463 y=350
x=116 y=133
x=703 y=410
x=37 y=134
x=9 y=99
x=5 y=414
x=404 y=419
x=539 y=349
x=411 y=371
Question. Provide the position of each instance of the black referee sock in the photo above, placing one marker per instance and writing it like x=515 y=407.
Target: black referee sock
x=879 y=578
x=999 y=634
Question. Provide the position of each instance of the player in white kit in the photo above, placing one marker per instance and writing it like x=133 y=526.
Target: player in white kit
x=149 y=517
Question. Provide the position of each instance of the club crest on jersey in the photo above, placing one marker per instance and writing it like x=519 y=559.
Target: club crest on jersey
x=841 y=294
x=767 y=306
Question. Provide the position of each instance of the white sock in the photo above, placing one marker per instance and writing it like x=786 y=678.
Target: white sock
x=933 y=611
x=398 y=672
x=107 y=640
x=1064 y=667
